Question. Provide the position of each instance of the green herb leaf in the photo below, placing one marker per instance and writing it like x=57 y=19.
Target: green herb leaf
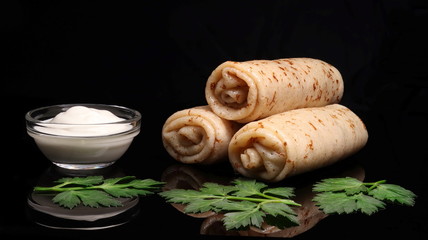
x=348 y=195
x=203 y=205
x=246 y=188
x=125 y=192
x=86 y=181
x=96 y=198
x=114 y=181
x=245 y=203
x=183 y=196
x=394 y=193
x=347 y=184
x=344 y=203
x=134 y=188
x=283 y=192
x=145 y=184
x=367 y=204
x=230 y=206
x=280 y=215
x=67 y=199
x=216 y=189
x=331 y=202
x=276 y=208
x=243 y=219
x=95 y=191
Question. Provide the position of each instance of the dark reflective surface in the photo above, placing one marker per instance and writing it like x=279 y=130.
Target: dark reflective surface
x=94 y=52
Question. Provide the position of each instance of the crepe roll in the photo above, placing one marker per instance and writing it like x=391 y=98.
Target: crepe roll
x=251 y=90
x=296 y=141
x=197 y=135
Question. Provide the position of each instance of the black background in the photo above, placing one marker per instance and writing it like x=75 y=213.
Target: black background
x=155 y=56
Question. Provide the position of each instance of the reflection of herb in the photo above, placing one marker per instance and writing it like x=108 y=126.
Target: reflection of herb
x=347 y=195
x=245 y=203
x=95 y=191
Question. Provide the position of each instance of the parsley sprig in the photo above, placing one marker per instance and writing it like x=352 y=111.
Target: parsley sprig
x=348 y=195
x=250 y=203
x=95 y=191
x=245 y=203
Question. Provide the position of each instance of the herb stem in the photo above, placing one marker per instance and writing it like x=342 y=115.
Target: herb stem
x=263 y=200
x=374 y=185
x=62 y=189
x=268 y=196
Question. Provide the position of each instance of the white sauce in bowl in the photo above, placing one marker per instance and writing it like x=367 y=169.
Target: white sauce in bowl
x=84 y=138
x=84 y=121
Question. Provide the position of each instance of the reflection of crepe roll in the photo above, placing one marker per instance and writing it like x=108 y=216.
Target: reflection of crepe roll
x=197 y=135
x=296 y=141
x=183 y=176
x=247 y=91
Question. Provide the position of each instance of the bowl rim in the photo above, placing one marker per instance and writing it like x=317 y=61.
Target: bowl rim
x=135 y=121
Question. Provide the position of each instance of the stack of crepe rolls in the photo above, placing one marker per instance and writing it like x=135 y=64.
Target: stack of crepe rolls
x=197 y=135
x=252 y=90
x=293 y=123
x=296 y=141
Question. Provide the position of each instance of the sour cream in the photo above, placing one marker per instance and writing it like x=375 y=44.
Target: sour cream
x=85 y=115
x=82 y=137
x=84 y=121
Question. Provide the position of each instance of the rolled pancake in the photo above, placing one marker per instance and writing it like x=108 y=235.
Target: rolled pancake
x=197 y=135
x=296 y=141
x=251 y=90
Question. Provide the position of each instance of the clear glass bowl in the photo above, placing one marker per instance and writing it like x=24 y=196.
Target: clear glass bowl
x=83 y=151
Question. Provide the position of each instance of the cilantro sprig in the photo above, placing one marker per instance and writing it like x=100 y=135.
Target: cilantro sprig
x=95 y=191
x=348 y=195
x=245 y=203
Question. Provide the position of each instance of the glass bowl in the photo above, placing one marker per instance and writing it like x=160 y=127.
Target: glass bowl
x=83 y=146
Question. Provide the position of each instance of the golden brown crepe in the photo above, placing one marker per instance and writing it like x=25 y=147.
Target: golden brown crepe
x=197 y=135
x=296 y=141
x=251 y=90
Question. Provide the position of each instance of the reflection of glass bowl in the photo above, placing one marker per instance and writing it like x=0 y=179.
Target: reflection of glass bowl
x=83 y=151
x=46 y=213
